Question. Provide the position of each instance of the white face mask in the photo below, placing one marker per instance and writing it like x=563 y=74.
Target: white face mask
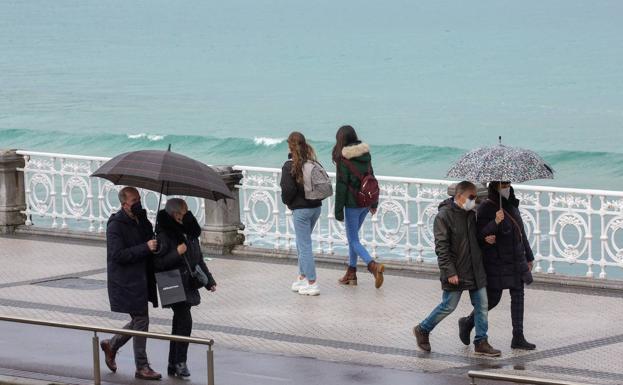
x=506 y=192
x=469 y=205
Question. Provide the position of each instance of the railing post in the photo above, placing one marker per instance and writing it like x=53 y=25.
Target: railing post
x=222 y=218
x=12 y=191
x=97 y=379
x=210 y=366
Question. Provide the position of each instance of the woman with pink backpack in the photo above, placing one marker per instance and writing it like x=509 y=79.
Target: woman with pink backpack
x=356 y=194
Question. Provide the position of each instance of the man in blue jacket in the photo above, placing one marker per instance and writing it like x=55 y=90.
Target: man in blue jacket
x=131 y=282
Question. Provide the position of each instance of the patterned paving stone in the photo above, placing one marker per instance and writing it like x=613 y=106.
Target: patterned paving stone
x=254 y=310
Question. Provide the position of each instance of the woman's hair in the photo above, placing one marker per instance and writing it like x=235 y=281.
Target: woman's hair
x=493 y=187
x=175 y=206
x=301 y=153
x=345 y=136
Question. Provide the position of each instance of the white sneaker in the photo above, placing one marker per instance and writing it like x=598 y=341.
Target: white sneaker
x=310 y=289
x=299 y=284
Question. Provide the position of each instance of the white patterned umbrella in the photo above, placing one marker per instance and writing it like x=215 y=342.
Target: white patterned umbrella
x=501 y=163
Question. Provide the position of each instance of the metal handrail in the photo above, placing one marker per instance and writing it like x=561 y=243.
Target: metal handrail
x=474 y=374
x=132 y=333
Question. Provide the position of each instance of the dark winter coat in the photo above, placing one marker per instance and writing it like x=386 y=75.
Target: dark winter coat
x=131 y=281
x=292 y=192
x=359 y=155
x=457 y=248
x=170 y=235
x=507 y=260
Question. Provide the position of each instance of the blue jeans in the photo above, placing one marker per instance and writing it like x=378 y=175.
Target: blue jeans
x=353 y=220
x=304 y=222
x=449 y=302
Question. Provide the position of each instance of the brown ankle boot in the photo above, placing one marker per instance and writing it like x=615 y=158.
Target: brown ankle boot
x=350 y=278
x=482 y=348
x=423 y=342
x=147 y=373
x=377 y=270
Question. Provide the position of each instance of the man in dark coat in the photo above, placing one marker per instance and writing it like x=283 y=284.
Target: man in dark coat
x=131 y=282
x=460 y=264
x=507 y=258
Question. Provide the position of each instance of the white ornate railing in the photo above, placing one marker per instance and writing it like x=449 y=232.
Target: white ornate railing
x=60 y=194
x=572 y=231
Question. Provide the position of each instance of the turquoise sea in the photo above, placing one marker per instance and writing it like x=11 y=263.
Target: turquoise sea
x=226 y=82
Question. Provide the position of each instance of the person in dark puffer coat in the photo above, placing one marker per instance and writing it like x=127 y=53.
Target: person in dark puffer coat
x=507 y=257
x=179 y=247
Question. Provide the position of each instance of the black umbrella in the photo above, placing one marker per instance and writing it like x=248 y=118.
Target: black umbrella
x=166 y=172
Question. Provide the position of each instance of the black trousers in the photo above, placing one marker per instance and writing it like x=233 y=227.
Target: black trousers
x=182 y=326
x=517 y=307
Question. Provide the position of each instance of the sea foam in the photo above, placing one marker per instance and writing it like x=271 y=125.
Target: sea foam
x=267 y=141
x=150 y=137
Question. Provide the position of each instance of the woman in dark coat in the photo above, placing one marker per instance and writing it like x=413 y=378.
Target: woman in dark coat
x=507 y=257
x=179 y=248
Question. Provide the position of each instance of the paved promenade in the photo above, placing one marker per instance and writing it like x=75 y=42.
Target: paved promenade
x=579 y=334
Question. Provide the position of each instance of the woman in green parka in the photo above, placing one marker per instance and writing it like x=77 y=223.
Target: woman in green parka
x=352 y=157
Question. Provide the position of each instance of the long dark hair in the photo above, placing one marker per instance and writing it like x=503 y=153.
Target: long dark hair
x=345 y=136
x=301 y=153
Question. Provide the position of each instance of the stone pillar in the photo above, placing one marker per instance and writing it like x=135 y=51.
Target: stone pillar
x=12 y=193
x=222 y=218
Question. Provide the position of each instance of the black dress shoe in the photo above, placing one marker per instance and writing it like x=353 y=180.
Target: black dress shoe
x=181 y=370
x=109 y=355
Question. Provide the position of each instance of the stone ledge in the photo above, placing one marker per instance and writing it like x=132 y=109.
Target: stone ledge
x=541 y=280
x=56 y=233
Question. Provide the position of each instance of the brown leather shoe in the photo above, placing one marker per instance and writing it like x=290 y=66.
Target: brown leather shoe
x=377 y=270
x=482 y=348
x=147 y=373
x=350 y=278
x=109 y=355
x=422 y=338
